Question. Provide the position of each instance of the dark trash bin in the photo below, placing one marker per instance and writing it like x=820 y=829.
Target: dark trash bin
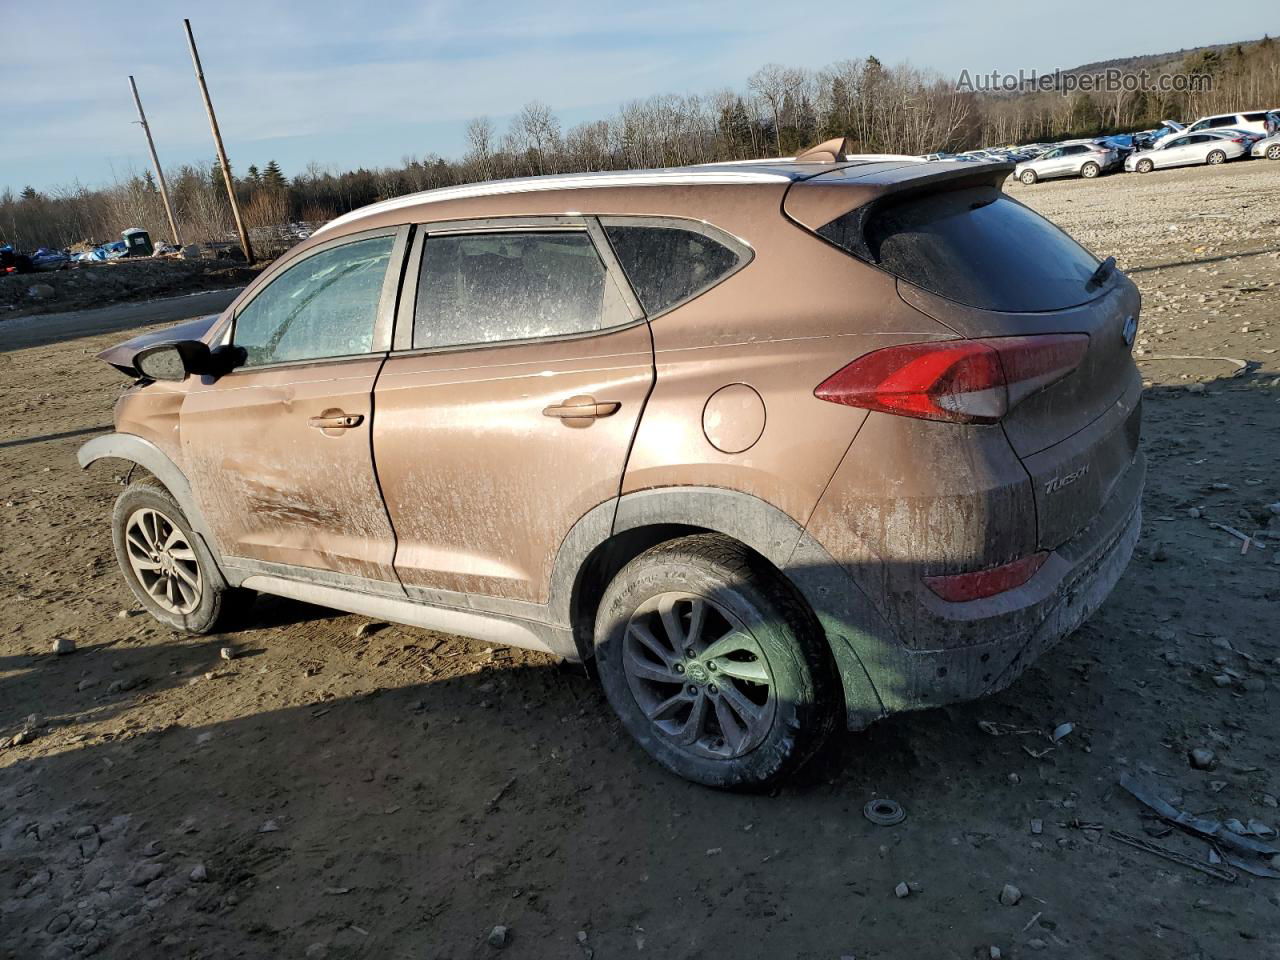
x=138 y=242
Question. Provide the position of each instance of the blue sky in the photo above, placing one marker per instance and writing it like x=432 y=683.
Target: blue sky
x=347 y=83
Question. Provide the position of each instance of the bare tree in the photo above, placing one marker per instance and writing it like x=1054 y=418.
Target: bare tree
x=480 y=146
x=773 y=83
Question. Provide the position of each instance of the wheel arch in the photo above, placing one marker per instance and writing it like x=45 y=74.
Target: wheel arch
x=145 y=454
x=616 y=532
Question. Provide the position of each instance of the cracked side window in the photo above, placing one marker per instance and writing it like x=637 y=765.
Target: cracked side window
x=323 y=306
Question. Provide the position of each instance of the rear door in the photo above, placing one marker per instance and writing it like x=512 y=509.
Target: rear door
x=278 y=450
x=508 y=407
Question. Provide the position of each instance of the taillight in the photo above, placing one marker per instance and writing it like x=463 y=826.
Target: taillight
x=962 y=381
x=959 y=587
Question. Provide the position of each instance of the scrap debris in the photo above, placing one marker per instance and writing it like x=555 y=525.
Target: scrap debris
x=1221 y=873
x=884 y=812
x=1219 y=835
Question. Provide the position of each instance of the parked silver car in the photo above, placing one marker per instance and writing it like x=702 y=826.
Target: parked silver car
x=1188 y=149
x=1268 y=147
x=1070 y=160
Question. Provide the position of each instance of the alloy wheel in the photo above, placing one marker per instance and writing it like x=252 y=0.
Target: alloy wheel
x=699 y=675
x=163 y=560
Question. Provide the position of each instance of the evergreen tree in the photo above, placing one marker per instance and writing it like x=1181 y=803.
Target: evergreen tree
x=272 y=178
x=254 y=176
x=30 y=193
x=149 y=182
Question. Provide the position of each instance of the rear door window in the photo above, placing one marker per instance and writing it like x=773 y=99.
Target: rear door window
x=1222 y=121
x=1256 y=117
x=973 y=245
x=669 y=264
x=512 y=285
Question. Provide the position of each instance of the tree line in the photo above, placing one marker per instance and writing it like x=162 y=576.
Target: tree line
x=881 y=109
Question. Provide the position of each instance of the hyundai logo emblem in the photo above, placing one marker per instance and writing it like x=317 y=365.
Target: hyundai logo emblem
x=1130 y=330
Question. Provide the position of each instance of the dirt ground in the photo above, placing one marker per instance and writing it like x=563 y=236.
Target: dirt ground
x=397 y=793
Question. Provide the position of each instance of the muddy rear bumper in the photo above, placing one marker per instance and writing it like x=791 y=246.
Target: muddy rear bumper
x=1005 y=638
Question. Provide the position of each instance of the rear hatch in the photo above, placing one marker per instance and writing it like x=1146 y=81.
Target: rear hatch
x=986 y=266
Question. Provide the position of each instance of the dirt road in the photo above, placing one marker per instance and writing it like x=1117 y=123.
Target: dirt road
x=398 y=793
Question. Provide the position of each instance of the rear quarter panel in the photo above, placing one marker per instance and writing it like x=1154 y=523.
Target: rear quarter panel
x=796 y=314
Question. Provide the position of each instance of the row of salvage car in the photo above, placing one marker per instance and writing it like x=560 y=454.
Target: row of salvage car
x=1210 y=140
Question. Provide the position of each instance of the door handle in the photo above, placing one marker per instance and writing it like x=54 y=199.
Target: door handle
x=340 y=421
x=581 y=408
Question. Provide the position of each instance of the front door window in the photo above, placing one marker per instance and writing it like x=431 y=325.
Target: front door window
x=324 y=306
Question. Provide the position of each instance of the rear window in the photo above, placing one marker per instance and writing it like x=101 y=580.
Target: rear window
x=974 y=245
x=669 y=264
x=1256 y=117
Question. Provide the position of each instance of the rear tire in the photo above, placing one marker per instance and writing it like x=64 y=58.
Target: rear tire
x=1090 y=170
x=1215 y=157
x=1144 y=166
x=167 y=566
x=1028 y=177
x=714 y=664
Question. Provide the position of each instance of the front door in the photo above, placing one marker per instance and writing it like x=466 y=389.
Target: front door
x=1175 y=154
x=1054 y=163
x=278 y=451
x=511 y=409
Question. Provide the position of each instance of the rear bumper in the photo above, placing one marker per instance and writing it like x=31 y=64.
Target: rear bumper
x=1026 y=622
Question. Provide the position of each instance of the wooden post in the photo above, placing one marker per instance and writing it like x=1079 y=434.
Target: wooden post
x=155 y=162
x=217 y=142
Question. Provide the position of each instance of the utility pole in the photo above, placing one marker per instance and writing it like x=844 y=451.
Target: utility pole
x=155 y=162
x=217 y=142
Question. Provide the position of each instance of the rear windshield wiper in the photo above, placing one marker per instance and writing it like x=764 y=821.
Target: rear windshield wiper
x=1102 y=274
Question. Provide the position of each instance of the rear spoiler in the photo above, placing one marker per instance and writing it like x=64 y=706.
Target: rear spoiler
x=816 y=201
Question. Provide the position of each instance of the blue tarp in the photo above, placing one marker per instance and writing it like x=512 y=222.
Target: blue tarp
x=46 y=259
x=108 y=251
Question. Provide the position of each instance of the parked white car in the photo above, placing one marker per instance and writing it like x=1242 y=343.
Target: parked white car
x=1071 y=160
x=1268 y=147
x=1259 y=121
x=1187 y=149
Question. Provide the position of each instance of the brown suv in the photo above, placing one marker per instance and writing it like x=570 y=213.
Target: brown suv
x=774 y=446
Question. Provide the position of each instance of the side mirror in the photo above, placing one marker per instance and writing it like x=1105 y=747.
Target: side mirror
x=179 y=359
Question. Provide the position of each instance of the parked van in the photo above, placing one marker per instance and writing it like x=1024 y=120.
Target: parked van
x=1265 y=122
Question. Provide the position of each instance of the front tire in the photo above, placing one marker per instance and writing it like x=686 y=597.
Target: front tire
x=1273 y=151
x=1028 y=177
x=1215 y=157
x=714 y=665
x=166 y=565
x=1090 y=170
x=1145 y=166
